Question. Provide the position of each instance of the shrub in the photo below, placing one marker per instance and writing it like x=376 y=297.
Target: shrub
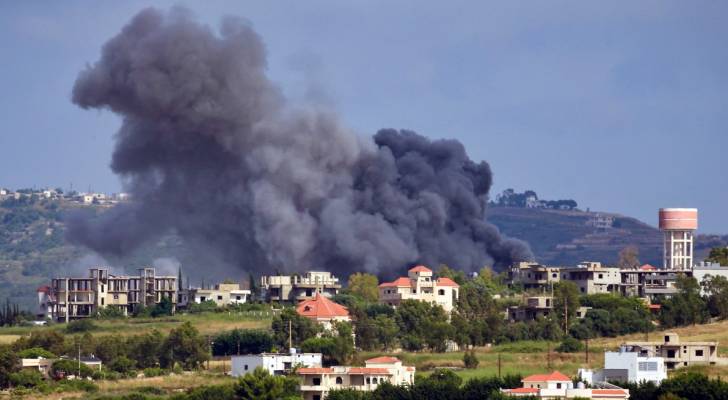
x=110 y=313
x=122 y=365
x=570 y=345
x=154 y=371
x=36 y=352
x=75 y=385
x=27 y=378
x=70 y=367
x=80 y=326
x=470 y=360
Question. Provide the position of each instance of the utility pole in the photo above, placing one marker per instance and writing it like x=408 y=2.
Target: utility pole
x=290 y=336
x=499 y=365
x=566 y=317
x=79 y=358
x=586 y=351
x=548 y=355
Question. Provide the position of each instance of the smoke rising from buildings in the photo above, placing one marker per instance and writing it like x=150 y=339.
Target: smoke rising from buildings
x=211 y=150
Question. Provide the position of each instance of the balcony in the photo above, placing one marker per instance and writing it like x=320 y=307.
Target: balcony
x=312 y=388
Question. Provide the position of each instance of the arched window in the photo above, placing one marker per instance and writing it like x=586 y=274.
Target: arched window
x=339 y=381
x=441 y=292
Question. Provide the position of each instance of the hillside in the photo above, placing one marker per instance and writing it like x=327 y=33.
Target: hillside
x=33 y=249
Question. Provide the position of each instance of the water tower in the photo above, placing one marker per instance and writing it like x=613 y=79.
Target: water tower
x=678 y=226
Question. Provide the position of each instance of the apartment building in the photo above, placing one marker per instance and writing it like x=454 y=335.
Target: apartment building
x=592 y=277
x=74 y=298
x=317 y=382
x=294 y=288
x=222 y=294
x=420 y=285
x=533 y=275
x=677 y=353
x=627 y=366
x=559 y=386
x=274 y=363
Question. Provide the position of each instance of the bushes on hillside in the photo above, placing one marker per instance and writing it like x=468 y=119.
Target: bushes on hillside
x=239 y=341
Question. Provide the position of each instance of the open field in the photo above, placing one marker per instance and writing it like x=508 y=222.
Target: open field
x=206 y=323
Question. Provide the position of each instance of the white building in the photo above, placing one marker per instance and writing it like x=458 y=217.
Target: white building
x=317 y=382
x=592 y=278
x=559 y=386
x=274 y=363
x=294 y=288
x=625 y=366
x=421 y=286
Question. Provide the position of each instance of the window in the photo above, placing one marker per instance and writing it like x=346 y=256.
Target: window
x=317 y=381
x=647 y=366
x=414 y=290
x=558 y=385
x=202 y=299
x=601 y=276
x=441 y=292
x=237 y=297
x=339 y=381
x=374 y=381
x=245 y=367
x=698 y=353
x=116 y=297
x=667 y=339
x=219 y=297
x=369 y=380
x=102 y=301
x=554 y=275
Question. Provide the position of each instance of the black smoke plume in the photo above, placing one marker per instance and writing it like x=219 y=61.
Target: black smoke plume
x=210 y=150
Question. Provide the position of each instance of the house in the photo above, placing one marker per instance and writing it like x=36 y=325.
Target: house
x=222 y=294
x=293 y=288
x=535 y=307
x=317 y=382
x=533 y=275
x=592 y=278
x=677 y=353
x=559 y=386
x=649 y=282
x=627 y=366
x=420 y=285
x=40 y=364
x=274 y=363
x=323 y=311
x=73 y=298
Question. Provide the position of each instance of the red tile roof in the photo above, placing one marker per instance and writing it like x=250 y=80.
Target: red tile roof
x=420 y=268
x=521 y=390
x=446 y=282
x=321 y=308
x=647 y=267
x=655 y=306
x=382 y=360
x=399 y=282
x=555 y=376
x=44 y=289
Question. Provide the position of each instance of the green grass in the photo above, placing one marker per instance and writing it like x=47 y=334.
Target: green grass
x=206 y=323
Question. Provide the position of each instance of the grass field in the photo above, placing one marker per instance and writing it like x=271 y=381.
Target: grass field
x=206 y=323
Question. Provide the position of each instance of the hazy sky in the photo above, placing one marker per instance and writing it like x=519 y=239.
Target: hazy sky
x=622 y=106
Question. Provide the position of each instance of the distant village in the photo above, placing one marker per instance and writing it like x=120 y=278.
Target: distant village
x=58 y=194
x=67 y=299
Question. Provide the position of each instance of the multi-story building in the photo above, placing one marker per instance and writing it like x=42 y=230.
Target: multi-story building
x=592 y=278
x=317 y=382
x=677 y=353
x=294 y=288
x=74 y=298
x=421 y=286
x=274 y=363
x=222 y=294
x=535 y=307
x=533 y=275
x=627 y=366
x=650 y=282
x=559 y=386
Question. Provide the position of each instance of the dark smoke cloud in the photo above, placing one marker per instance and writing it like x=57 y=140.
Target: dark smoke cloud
x=211 y=151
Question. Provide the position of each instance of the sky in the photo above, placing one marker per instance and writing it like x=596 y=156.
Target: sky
x=620 y=105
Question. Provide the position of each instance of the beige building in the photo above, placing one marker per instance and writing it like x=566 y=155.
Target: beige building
x=74 y=298
x=294 y=288
x=222 y=294
x=420 y=285
x=677 y=353
x=533 y=275
x=317 y=382
x=535 y=307
x=592 y=278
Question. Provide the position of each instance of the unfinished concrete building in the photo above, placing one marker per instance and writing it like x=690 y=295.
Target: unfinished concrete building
x=294 y=288
x=75 y=298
